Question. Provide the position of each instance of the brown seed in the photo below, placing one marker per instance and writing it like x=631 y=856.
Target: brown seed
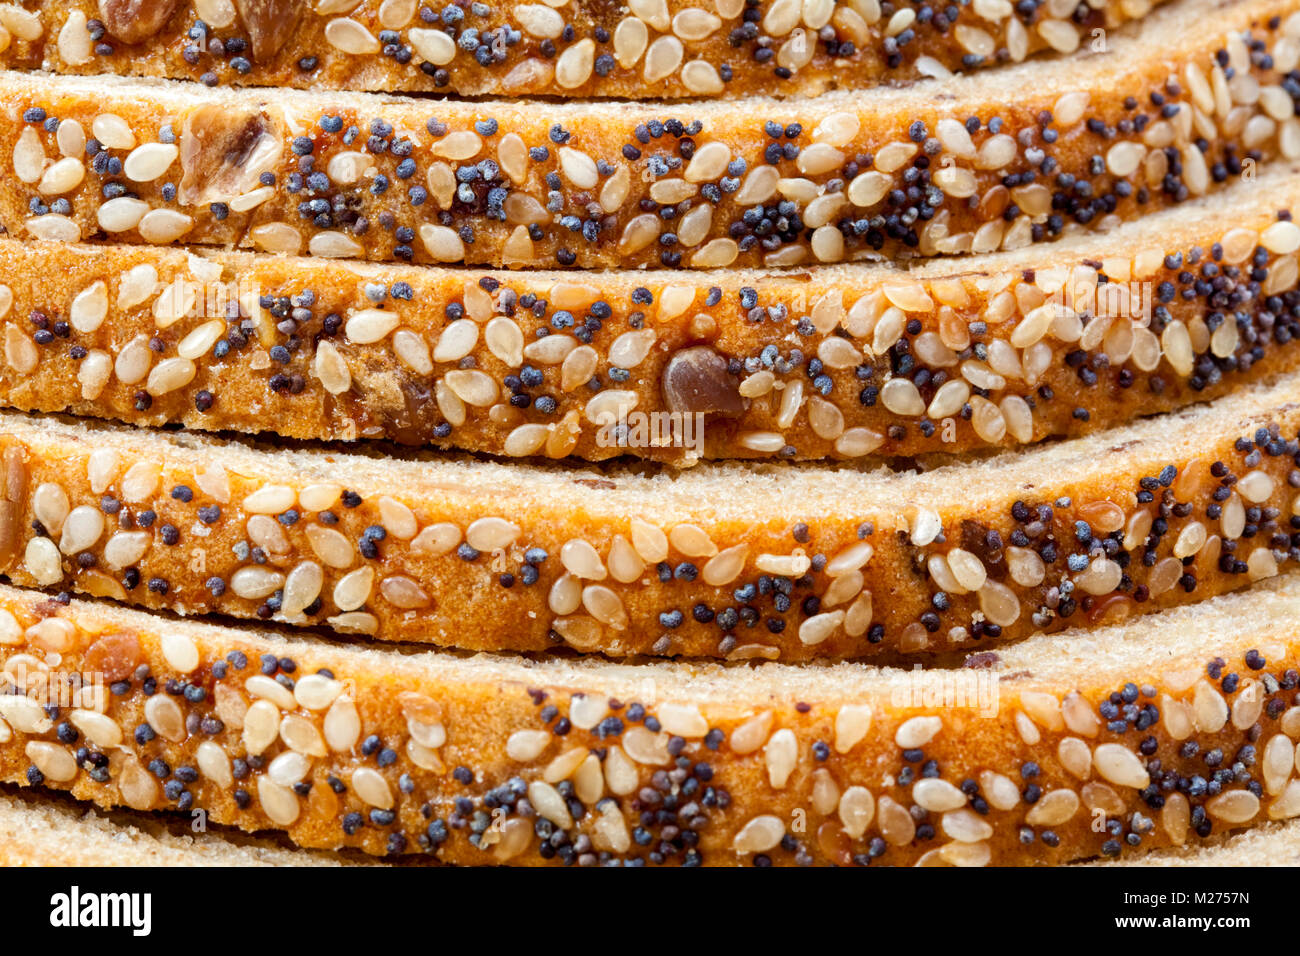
x=896 y=824
x=1233 y=807
x=402 y=592
x=856 y=809
x=164 y=716
x=638 y=233
x=696 y=380
x=114 y=656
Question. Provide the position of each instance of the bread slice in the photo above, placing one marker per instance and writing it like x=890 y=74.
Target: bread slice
x=52 y=832
x=40 y=830
x=768 y=561
x=668 y=48
x=1165 y=732
x=1180 y=306
x=1274 y=844
x=1055 y=148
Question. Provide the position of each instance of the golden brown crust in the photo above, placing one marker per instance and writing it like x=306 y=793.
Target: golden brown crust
x=473 y=760
x=997 y=162
x=845 y=363
x=674 y=48
x=730 y=561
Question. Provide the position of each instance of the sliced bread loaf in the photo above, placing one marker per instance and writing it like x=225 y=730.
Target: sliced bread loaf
x=38 y=829
x=1001 y=160
x=670 y=47
x=847 y=362
x=1068 y=747
x=738 y=561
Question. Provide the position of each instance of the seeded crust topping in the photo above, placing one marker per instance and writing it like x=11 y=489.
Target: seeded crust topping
x=421 y=556
x=223 y=154
x=711 y=48
x=131 y=21
x=822 y=181
x=860 y=365
x=331 y=748
x=268 y=23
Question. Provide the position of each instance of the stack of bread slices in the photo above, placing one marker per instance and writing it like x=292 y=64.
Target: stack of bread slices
x=723 y=432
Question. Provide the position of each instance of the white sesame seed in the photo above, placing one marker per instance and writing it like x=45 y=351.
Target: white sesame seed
x=434 y=46
x=331 y=368
x=442 y=244
x=316 y=691
x=353 y=589
x=370 y=325
x=578 y=167
x=574 y=66
x=1119 y=765
x=43 y=562
x=1281 y=238
x=62 y=177
x=539 y=20
x=100 y=730
x=548 y=803
x=917 y=732
x=370 y=786
x=302 y=586
x=819 y=627
x=526 y=746
x=472 y=387
x=279 y=803
x=683 y=720
x=630 y=40
x=402 y=592
x=348 y=36
x=254 y=583
x=342 y=725
x=54 y=228
x=112 y=131
x=851 y=725
x=53 y=761
x=162 y=226
x=662 y=58
x=759 y=835
x=276 y=237
x=1233 y=807
x=74 y=43
x=937 y=795
x=653 y=12
x=149 y=161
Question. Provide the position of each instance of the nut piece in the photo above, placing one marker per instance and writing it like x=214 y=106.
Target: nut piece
x=269 y=23
x=223 y=153
x=132 y=21
x=115 y=656
x=696 y=380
